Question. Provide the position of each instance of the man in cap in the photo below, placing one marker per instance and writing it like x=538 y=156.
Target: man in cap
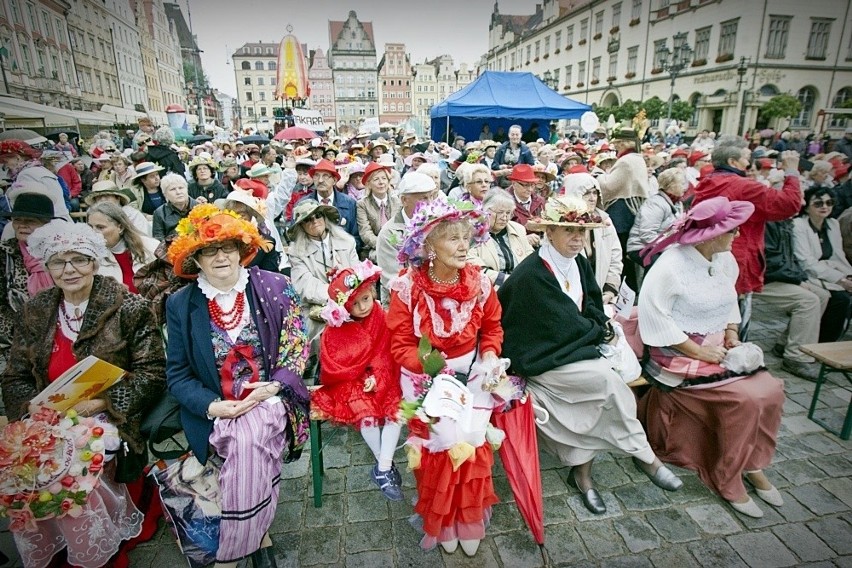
x=127 y=141
x=317 y=147
x=527 y=203
x=240 y=152
x=325 y=175
x=414 y=187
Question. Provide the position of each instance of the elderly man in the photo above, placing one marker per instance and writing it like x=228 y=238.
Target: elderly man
x=527 y=203
x=511 y=153
x=731 y=158
x=414 y=187
x=325 y=175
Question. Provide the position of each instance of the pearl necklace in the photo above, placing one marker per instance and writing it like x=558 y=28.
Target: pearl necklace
x=437 y=280
x=227 y=320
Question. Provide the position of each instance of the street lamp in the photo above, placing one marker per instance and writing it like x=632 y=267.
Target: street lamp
x=548 y=79
x=674 y=61
x=742 y=68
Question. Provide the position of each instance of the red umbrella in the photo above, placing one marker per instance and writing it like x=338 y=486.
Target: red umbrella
x=295 y=133
x=519 y=454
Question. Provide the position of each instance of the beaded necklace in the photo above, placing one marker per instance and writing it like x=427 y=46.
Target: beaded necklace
x=77 y=319
x=230 y=319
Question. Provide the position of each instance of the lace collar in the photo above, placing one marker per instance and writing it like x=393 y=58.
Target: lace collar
x=210 y=292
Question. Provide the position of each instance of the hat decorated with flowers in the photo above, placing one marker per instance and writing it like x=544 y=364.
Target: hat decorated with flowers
x=345 y=287
x=568 y=210
x=428 y=215
x=14 y=147
x=206 y=225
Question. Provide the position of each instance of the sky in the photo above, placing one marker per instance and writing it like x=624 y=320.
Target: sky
x=428 y=28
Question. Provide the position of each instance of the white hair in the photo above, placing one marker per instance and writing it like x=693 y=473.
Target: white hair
x=172 y=180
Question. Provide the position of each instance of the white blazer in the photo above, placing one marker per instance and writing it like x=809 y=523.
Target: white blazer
x=806 y=247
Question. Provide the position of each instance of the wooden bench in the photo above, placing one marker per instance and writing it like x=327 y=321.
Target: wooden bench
x=833 y=358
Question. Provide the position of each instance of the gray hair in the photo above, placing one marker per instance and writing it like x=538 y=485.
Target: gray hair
x=172 y=180
x=164 y=136
x=822 y=166
x=429 y=169
x=299 y=248
x=497 y=197
x=727 y=148
x=469 y=172
x=670 y=177
x=518 y=126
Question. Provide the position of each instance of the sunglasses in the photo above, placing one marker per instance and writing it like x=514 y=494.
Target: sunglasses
x=823 y=203
x=212 y=251
x=313 y=217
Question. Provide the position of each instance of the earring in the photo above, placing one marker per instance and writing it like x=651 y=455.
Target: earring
x=431 y=255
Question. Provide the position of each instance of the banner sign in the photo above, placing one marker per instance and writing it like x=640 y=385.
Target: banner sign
x=310 y=119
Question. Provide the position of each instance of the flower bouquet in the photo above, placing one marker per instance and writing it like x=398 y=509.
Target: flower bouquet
x=50 y=464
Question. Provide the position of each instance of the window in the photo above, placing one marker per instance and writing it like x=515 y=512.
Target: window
x=556 y=77
x=818 y=41
x=260 y=81
x=26 y=59
x=596 y=69
x=258 y=65
x=248 y=96
x=806 y=96
x=660 y=54
x=273 y=81
x=702 y=43
x=776 y=40
x=849 y=50
x=262 y=111
x=245 y=66
x=569 y=35
x=514 y=60
x=537 y=50
x=271 y=66
x=581 y=71
x=632 y=58
x=33 y=20
x=613 y=64
x=584 y=29
x=249 y=111
x=616 y=14
x=599 y=23
x=16 y=14
x=840 y=98
x=728 y=38
x=529 y=51
x=557 y=40
x=45 y=23
x=636 y=12
x=547 y=45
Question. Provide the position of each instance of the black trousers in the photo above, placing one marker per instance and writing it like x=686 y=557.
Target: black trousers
x=835 y=319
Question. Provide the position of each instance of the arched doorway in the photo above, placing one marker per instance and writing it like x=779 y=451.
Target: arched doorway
x=842 y=96
x=610 y=100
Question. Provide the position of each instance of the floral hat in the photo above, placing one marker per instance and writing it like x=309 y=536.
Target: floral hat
x=428 y=215
x=345 y=286
x=14 y=147
x=565 y=211
x=205 y=225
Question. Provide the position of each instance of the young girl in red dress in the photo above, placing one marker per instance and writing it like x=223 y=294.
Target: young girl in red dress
x=360 y=381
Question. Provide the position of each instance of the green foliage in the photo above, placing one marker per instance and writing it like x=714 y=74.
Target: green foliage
x=432 y=361
x=189 y=75
x=682 y=110
x=655 y=108
x=845 y=116
x=781 y=106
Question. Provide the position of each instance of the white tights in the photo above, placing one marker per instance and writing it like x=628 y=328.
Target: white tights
x=381 y=441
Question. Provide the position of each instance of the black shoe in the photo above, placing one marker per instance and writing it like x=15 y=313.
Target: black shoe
x=807 y=371
x=778 y=350
x=662 y=478
x=591 y=498
x=264 y=558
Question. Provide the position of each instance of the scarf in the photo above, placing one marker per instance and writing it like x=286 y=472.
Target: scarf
x=37 y=277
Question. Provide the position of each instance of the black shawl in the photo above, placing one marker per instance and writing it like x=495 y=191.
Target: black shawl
x=543 y=328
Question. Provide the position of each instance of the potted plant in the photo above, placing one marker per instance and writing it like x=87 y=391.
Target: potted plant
x=634 y=22
x=629 y=75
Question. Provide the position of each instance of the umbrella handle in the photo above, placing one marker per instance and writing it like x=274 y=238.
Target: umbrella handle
x=538 y=410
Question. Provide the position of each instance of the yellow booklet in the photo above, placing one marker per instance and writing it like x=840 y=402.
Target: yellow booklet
x=86 y=379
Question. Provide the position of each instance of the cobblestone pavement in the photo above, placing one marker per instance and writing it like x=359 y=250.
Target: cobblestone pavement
x=644 y=526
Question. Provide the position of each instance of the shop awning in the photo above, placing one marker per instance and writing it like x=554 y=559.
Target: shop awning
x=36 y=115
x=123 y=115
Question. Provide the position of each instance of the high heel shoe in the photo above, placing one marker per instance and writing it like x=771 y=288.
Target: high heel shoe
x=662 y=478
x=470 y=546
x=450 y=546
x=749 y=508
x=264 y=558
x=771 y=496
x=591 y=498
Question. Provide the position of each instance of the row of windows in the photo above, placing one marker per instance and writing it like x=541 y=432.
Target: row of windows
x=258 y=66
x=779 y=32
x=392 y=107
x=352 y=110
x=394 y=83
x=351 y=93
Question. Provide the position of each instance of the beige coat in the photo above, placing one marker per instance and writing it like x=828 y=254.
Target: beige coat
x=367 y=213
x=608 y=255
x=806 y=247
x=486 y=255
x=392 y=232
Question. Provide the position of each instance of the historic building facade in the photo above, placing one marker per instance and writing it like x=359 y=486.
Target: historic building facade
x=94 y=55
x=394 y=83
x=322 y=86
x=352 y=57
x=607 y=51
x=125 y=42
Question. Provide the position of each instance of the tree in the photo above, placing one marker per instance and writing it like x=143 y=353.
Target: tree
x=655 y=108
x=682 y=110
x=781 y=106
x=195 y=75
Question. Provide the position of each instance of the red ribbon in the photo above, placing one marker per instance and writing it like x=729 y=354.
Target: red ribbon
x=227 y=372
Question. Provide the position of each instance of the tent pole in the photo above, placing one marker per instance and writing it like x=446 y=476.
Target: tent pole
x=447 y=133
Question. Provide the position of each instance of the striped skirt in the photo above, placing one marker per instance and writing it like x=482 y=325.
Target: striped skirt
x=251 y=446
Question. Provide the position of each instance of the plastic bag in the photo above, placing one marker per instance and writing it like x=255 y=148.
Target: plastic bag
x=621 y=357
x=189 y=493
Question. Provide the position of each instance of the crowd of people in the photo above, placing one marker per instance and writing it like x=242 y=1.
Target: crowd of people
x=220 y=273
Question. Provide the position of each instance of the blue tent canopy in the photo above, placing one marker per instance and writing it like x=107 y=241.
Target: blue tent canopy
x=501 y=98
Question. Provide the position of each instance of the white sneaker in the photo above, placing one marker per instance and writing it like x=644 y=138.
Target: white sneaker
x=749 y=508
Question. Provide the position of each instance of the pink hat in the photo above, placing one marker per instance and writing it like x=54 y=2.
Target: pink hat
x=705 y=221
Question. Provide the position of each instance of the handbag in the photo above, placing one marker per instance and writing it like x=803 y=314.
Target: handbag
x=162 y=423
x=621 y=357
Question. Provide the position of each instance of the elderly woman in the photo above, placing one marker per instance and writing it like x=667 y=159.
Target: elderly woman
x=177 y=206
x=237 y=349
x=555 y=330
x=146 y=188
x=250 y=209
x=161 y=153
x=122 y=172
x=205 y=188
x=130 y=249
x=712 y=410
x=602 y=248
x=476 y=182
x=376 y=208
x=820 y=175
x=658 y=213
x=319 y=244
x=508 y=245
x=818 y=246
x=86 y=314
x=449 y=301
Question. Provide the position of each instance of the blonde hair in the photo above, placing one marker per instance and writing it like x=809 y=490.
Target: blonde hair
x=670 y=177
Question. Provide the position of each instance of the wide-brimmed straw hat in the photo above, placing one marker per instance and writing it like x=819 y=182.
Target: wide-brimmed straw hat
x=428 y=215
x=705 y=221
x=345 y=287
x=145 y=168
x=565 y=211
x=259 y=170
x=307 y=207
x=202 y=160
x=539 y=170
x=108 y=187
x=206 y=225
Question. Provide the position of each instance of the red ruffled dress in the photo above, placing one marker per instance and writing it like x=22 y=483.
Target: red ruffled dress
x=452 y=504
x=348 y=355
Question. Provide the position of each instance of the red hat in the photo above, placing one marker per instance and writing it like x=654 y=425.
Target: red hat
x=256 y=187
x=840 y=170
x=372 y=168
x=706 y=169
x=680 y=152
x=578 y=169
x=345 y=287
x=764 y=164
x=695 y=156
x=523 y=173
x=580 y=148
x=325 y=166
x=604 y=148
x=13 y=147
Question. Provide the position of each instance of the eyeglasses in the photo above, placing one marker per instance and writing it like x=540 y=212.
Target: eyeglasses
x=212 y=251
x=507 y=214
x=58 y=265
x=823 y=203
x=525 y=184
x=314 y=217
